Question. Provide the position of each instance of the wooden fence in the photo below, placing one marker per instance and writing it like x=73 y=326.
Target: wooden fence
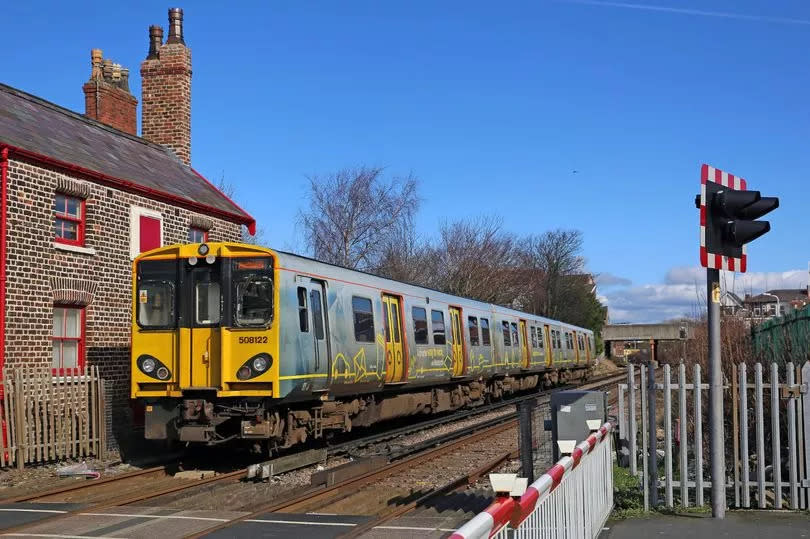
x=49 y=418
x=767 y=435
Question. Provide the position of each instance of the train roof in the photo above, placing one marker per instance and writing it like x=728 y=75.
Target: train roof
x=304 y=264
x=416 y=290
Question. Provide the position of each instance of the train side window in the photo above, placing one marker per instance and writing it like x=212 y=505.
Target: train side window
x=363 y=319
x=515 y=335
x=534 y=336
x=507 y=341
x=303 y=316
x=540 y=339
x=472 y=325
x=420 y=332
x=485 y=332
x=317 y=312
x=437 y=319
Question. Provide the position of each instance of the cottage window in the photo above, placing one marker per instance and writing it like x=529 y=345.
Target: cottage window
x=197 y=235
x=68 y=338
x=69 y=218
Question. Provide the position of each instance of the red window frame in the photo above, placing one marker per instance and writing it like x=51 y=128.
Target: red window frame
x=80 y=360
x=80 y=221
x=196 y=229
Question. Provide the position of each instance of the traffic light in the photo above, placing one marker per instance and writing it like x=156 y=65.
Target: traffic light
x=728 y=214
x=730 y=218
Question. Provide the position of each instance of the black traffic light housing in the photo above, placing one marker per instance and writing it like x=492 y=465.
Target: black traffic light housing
x=731 y=218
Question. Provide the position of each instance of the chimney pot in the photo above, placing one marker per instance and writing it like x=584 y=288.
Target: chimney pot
x=108 y=70
x=124 y=83
x=116 y=74
x=95 y=62
x=175 y=26
x=155 y=41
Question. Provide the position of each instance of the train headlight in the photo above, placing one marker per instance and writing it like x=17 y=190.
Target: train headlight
x=203 y=249
x=260 y=364
x=192 y=261
x=255 y=366
x=152 y=367
x=148 y=365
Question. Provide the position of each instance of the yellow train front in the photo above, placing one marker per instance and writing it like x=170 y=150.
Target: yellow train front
x=231 y=341
x=202 y=333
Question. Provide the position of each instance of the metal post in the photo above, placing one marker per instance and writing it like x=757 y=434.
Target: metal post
x=631 y=382
x=653 y=447
x=526 y=457
x=716 y=418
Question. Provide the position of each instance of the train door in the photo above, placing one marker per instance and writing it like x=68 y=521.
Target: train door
x=394 y=369
x=524 y=345
x=314 y=328
x=587 y=342
x=575 y=340
x=204 y=339
x=549 y=353
x=458 y=341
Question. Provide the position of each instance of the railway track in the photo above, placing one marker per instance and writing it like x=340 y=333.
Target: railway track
x=150 y=484
x=370 y=493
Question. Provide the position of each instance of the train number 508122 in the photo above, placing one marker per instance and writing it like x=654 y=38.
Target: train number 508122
x=253 y=340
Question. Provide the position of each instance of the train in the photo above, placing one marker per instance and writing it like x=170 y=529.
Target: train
x=235 y=342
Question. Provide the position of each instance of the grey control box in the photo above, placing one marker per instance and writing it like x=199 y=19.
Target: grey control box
x=574 y=413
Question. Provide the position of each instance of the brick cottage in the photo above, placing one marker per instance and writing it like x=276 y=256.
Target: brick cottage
x=82 y=195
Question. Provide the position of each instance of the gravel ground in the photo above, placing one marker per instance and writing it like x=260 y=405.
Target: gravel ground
x=421 y=478
x=32 y=479
x=408 y=440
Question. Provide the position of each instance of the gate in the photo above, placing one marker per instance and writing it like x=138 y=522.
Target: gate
x=767 y=417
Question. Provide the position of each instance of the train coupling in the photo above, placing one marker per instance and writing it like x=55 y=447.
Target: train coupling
x=197 y=411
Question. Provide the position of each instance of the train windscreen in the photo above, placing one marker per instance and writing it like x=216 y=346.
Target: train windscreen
x=157 y=282
x=253 y=291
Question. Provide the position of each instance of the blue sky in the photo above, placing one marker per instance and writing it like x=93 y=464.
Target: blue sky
x=493 y=106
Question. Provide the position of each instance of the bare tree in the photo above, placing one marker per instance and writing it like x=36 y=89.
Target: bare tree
x=476 y=258
x=405 y=256
x=353 y=215
x=554 y=260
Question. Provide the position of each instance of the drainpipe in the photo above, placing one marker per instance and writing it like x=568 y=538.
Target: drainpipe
x=3 y=234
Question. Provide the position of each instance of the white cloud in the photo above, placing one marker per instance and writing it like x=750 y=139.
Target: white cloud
x=683 y=293
x=605 y=280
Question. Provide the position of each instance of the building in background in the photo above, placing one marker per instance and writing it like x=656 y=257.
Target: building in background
x=760 y=307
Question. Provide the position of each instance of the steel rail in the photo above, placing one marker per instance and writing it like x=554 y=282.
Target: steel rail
x=89 y=484
x=317 y=495
x=454 y=485
x=126 y=500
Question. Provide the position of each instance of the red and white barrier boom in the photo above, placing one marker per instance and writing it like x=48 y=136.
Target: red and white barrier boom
x=513 y=511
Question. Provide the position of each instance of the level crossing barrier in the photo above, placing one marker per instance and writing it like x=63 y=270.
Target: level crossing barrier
x=572 y=500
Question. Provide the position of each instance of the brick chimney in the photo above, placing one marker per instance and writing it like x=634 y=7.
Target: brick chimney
x=166 y=89
x=107 y=97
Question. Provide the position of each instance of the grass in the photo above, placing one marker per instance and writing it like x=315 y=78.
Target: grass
x=628 y=500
